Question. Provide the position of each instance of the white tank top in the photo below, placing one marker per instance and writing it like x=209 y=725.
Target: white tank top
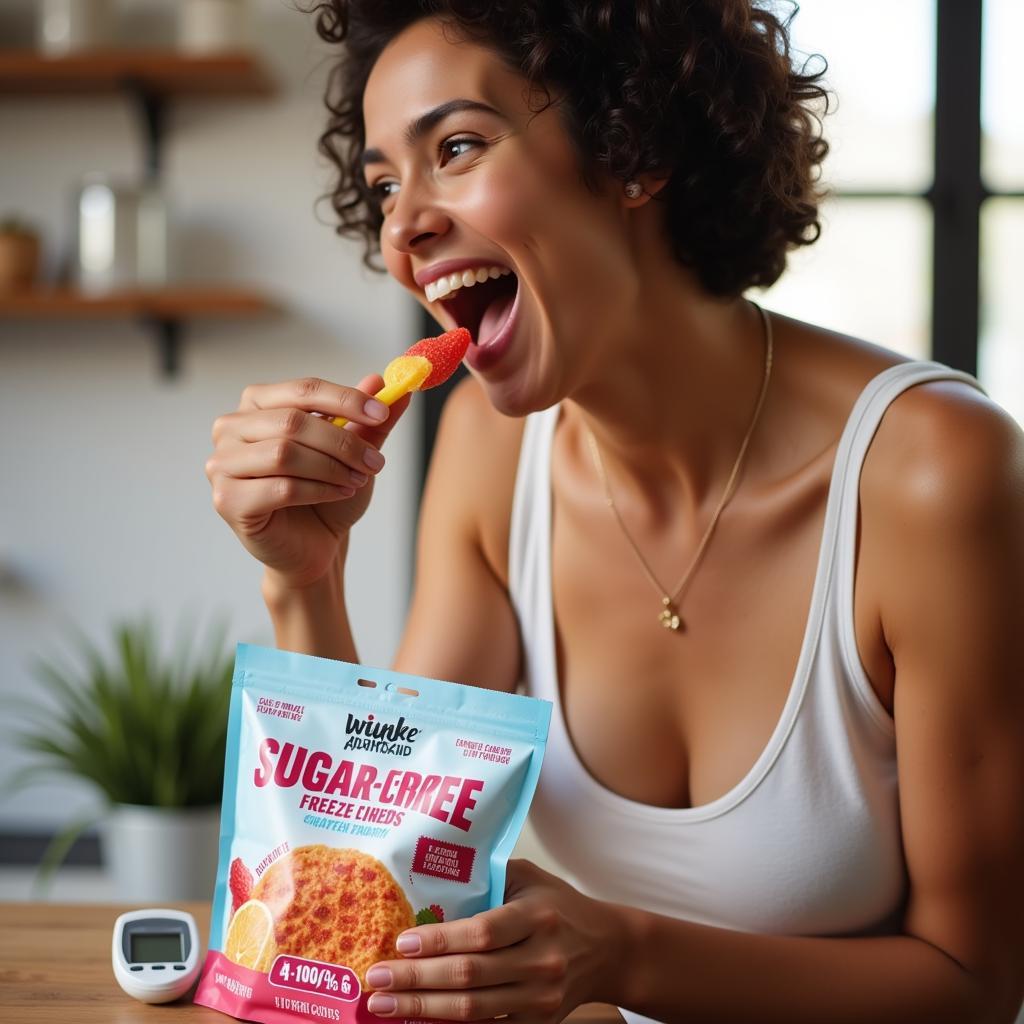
x=808 y=842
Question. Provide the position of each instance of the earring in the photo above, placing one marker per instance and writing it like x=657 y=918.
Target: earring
x=634 y=189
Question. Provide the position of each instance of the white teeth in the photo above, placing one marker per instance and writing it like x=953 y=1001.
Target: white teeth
x=463 y=279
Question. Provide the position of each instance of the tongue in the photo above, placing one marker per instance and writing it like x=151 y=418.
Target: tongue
x=494 y=317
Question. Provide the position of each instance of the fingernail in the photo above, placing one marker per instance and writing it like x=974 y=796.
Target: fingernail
x=357 y=477
x=408 y=944
x=379 y=977
x=376 y=410
x=373 y=458
x=382 y=1004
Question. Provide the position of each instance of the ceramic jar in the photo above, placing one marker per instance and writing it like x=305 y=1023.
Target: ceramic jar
x=67 y=26
x=213 y=26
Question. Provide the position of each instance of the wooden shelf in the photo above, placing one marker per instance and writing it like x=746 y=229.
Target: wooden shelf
x=163 y=72
x=164 y=310
x=173 y=303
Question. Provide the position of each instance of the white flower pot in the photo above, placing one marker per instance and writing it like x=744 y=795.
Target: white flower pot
x=160 y=855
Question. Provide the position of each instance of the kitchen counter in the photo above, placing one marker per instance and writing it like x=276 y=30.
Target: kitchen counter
x=55 y=966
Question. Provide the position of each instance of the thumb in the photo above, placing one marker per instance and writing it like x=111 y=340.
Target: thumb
x=519 y=872
x=377 y=435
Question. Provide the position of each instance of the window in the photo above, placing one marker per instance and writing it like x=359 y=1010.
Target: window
x=869 y=273
x=1001 y=342
x=918 y=246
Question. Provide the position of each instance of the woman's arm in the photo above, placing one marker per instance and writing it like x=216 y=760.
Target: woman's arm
x=954 y=619
x=953 y=614
x=313 y=620
x=461 y=624
x=678 y=971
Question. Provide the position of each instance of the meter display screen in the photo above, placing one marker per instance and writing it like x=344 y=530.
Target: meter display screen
x=155 y=948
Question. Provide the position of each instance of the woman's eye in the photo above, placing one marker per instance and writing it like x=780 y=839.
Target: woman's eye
x=446 y=148
x=450 y=148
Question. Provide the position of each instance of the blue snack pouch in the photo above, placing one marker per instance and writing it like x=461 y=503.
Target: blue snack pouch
x=357 y=803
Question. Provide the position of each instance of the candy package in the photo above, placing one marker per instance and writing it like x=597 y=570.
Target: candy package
x=357 y=803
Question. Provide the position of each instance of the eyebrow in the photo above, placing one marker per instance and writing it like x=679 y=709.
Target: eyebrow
x=423 y=124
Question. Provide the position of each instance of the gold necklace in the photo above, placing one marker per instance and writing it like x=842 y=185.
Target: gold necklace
x=669 y=615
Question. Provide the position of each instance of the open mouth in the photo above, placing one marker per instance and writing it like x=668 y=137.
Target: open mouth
x=483 y=308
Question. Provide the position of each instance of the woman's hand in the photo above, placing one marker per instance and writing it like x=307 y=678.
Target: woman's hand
x=287 y=481
x=535 y=959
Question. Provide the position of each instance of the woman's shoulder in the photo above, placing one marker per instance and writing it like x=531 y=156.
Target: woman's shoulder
x=829 y=366
x=942 y=444
x=844 y=364
x=938 y=430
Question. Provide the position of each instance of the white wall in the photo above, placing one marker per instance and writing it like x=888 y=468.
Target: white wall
x=104 y=505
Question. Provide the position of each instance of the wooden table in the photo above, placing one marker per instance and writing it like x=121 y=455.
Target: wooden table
x=55 y=966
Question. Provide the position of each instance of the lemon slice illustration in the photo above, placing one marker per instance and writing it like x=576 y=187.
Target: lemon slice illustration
x=250 y=939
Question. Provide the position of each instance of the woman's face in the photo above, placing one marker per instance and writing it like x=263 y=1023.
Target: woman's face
x=489 y=184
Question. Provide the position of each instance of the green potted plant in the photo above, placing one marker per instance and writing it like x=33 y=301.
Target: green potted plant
x=148 y=732
x=19 y=255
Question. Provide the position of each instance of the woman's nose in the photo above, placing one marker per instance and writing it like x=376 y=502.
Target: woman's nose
x=414 y=219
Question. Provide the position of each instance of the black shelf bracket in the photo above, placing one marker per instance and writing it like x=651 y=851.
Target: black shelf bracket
x=168 y=331
x=151 y=108
x=152 y=111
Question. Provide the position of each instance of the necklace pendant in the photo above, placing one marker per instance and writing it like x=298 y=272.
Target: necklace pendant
x=669 y=616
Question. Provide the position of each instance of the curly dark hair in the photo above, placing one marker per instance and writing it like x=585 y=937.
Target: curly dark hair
x=703 y=90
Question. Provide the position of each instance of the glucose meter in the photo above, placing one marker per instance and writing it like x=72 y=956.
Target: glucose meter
x=155 y=954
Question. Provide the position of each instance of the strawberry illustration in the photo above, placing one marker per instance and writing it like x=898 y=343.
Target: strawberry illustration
x=240 y=883
x=430 y=915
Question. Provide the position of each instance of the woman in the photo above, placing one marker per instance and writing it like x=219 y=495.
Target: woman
x=655 y=503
